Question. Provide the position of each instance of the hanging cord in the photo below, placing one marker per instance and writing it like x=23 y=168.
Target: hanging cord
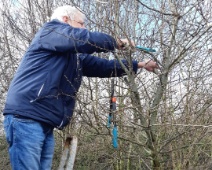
x=112 y=112
x=112 y=116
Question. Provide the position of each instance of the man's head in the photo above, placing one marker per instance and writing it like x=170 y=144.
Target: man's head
x=70 y=15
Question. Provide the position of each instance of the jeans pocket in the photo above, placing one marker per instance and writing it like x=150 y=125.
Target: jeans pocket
x=6 y=123
x=7 y=128
x=26 y=126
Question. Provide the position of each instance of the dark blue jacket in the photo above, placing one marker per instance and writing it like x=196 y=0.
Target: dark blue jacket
x=50 y=73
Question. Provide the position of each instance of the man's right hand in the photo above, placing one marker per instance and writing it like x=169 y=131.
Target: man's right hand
x=149 y=65
x=123 y=43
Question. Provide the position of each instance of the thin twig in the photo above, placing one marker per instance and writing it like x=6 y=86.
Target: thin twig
x=186 y=125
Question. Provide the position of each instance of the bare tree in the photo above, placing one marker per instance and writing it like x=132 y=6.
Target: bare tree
x=164 y=119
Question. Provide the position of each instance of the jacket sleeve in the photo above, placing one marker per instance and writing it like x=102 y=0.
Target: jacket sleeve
x=98 y=67
x=61 y=37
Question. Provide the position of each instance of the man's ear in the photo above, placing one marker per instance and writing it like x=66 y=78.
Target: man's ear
x=65 y=19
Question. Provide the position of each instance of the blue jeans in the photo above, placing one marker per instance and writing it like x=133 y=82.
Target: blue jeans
x=31 y=144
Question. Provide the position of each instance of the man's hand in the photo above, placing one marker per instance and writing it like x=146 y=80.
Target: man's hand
x=123 y=43
x=149 y=65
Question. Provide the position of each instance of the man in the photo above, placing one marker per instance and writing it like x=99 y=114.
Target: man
x=42 y=93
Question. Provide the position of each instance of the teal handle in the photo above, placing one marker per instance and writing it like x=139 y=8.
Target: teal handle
x=115 y=137
x=145 y=49
x=109 y=121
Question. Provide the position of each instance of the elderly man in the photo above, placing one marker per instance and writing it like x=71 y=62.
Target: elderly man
x=42 y=93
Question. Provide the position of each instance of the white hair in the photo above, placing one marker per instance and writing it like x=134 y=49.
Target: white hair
x=69 y=11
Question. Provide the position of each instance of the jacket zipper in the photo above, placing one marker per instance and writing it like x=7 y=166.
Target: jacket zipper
x=39 y=92
x=60 y=125
x=40 y=89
